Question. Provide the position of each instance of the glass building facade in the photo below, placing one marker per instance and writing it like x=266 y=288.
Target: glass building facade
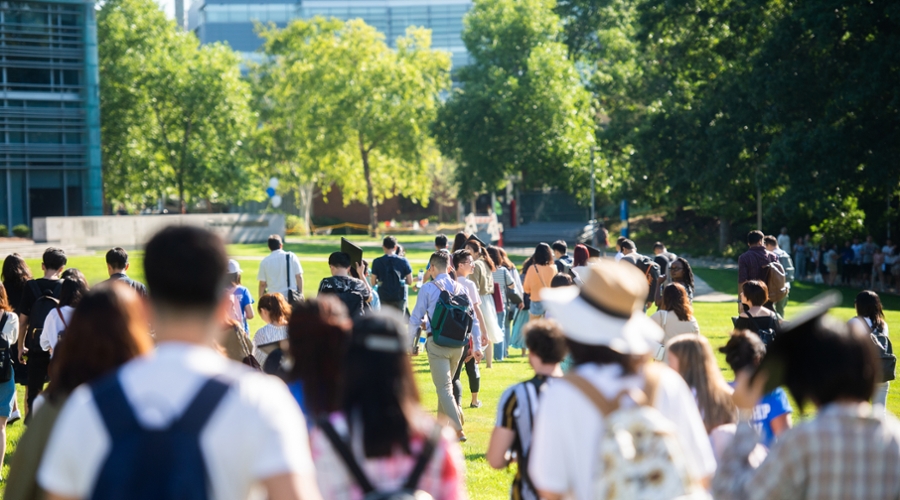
x=49 y=111
x=220 y=20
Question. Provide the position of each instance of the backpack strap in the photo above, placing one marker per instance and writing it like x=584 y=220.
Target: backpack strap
x=344 y=450
x=287 y=268
x=61 y=318
x=412 y=482
x=117 y=414
x=201 y=408
x=3 y=321
x=595 y=396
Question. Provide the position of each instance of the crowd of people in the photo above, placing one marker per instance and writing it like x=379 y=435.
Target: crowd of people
x=151 y=388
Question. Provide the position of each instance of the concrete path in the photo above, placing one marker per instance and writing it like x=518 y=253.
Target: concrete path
x=705 y=293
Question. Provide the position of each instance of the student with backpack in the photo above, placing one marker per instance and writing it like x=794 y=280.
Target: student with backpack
x=511 y=438
x=9 y=332
x=390 y=272
x=57 y=322
x=647 y=266
x=276 y=312
x=613 y=400
x=175 y=424
x=450 y=321
x=870 y=319
x=111 y=319
x=381 y=444
x=354 y=293
x=39 y=299
x=464 y=264
x=756 y=316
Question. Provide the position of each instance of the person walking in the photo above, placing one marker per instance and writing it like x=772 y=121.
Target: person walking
x=681 y=273
x=870 y=319
x=580 y=257
x=15 y=275
x=390 y=272
x=542 y=271
x=164 y=425
x=753 y=264
x=845 y=451
x=354 y=293
x=57 y=322
x=275 y=312
x=784 y=240
x=511 y=437
x=757 y=317
x=319 y=333
x=44 y=292
x=504 y=282
x=242 y=295
x=464 y=264
x=675 y=316
x=280 y=272
x=9 y=333
x=561 y=256
x=801 y=257
x=442 y=361
x=482 y=276
x=380 y=440
x=609 y=338
x=117 y=266
x=692 y=357
x=771 y=414
x=110 y=319
x=516 y=338
x=771 y=244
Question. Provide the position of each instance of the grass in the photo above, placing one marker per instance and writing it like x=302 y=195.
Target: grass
x=483 y=482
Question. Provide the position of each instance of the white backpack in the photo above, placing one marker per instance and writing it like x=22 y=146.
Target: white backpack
x=640 y=457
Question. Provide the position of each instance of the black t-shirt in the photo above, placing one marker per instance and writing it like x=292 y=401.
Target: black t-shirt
x=28 y=297
x=352 y=292
x=14 y=293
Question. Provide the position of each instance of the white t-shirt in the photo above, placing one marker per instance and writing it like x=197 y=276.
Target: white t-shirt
x=867 y=328
x=53 y=325
x=10 y=331
x=256 y=432
x=568 y=429
x=272 y=271
x=471 y=290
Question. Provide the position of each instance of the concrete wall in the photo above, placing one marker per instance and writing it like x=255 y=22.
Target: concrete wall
x=134 y=231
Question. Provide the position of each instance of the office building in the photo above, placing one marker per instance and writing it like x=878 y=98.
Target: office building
x=49 y=111
x=233 y=22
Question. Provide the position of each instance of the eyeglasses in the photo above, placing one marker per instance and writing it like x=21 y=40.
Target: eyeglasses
x=467 y=262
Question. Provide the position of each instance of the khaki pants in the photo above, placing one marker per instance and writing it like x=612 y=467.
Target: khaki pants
x=443 y=362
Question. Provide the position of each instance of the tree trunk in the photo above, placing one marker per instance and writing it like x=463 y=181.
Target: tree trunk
x=305 y=198
x=758 y=202
x=724 y=233
x=181 y=195
x=370 y=192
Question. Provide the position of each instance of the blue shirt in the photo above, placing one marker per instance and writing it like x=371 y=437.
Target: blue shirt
x=770 y=407
x=388 y=263
x=427 y=301
x=244 y=299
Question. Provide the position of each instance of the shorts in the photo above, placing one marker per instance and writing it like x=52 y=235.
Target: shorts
x=7 y=396
x=537 y=309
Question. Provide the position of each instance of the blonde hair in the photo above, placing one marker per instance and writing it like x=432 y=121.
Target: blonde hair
x=697 y=366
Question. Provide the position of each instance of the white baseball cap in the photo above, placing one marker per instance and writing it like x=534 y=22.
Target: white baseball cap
x=233 y=267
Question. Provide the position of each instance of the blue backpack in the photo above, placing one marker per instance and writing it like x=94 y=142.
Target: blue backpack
x=149 y=464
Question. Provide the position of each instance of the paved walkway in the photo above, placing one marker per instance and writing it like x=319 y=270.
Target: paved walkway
x=705 y=293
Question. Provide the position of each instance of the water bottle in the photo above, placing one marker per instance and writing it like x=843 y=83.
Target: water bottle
x=421 y=278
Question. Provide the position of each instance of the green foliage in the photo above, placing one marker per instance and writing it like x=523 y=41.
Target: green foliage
x=360 y=111
x=175 y=115
x=21 y=230
x=295 y=225
x=4 y=231
x=521 y=107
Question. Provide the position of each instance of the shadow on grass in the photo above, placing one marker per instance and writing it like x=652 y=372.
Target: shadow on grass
x=475 y=456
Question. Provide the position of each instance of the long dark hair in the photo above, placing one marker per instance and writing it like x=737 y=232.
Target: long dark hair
x=319 y=330
x=482 y=253
x=675 y=299
x=580 y=256
x=868 y=305
x=459 y=241
x=499 y=257
x=688 y=280
x=380 y=391
x=72 y=291
x=15 y=270
x=107 y=329
x=543 y=255
x=4 y=300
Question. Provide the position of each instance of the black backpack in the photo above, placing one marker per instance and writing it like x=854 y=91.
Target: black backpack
x=5 y=356
x=886 y=353
x=651 y=272
x=391 y=288
x=150 y=464
x=46 y=301
x=409 y=490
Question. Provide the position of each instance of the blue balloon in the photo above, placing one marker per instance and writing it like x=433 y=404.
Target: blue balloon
x=270 y=192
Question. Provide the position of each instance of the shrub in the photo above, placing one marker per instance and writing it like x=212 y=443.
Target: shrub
x=22 y=231
x=4 y=231
x=294 y=225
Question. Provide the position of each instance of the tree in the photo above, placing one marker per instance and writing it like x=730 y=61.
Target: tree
x=175 y=115
x=521 y=107
x=369 y=108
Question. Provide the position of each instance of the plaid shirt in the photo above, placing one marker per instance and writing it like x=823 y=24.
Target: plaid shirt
x=846 y=452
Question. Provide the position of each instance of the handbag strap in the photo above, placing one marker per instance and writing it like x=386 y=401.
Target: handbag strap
x=665 y=318
x=346 y=455
x=538 y=271
x=62 y=318
x=287 y=268
x=412 y=482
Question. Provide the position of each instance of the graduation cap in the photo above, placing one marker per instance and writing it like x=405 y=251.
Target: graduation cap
x=353 y=251
x=476 y=238
x=592 y=252
x=793 y=337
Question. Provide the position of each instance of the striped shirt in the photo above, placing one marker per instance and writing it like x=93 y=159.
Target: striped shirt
x=504 y=278
x=270 y=334
x=515 y=412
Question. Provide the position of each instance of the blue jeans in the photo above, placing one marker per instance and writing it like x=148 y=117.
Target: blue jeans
x=879 y=397
x=500 y=348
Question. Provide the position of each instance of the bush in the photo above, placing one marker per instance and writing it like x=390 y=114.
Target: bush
x=293 y=224
x=4 y=231
x=22 y=231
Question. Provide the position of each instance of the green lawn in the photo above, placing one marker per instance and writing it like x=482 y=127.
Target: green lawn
x=483 y=482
